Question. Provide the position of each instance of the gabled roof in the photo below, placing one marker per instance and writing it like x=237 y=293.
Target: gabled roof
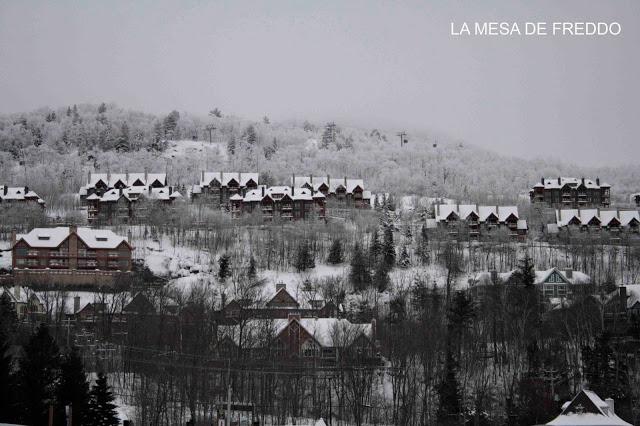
x=18 y=193
x=242 y=178
x=463 y=211
x=603 y=217
x=128 y=179
x=552 y=183
x=587 y=408
x=286 y=297
x=332 y=183
x=53 y=237
x=328 y=332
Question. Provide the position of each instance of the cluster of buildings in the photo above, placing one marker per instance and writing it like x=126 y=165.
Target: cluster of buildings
x=71 y=255
x=568 y=192
x=596 y=220
x=475 y=220
x=19 y=195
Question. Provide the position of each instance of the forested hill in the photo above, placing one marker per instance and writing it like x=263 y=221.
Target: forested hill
x=51 y=150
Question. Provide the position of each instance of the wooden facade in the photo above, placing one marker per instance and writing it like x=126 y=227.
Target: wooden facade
x=571 y=193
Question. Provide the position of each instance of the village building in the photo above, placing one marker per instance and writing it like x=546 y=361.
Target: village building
x=322 y=341
x=555 y=286
x=130 y=204
x=100 y=183
x=70 y=255
x=588 y=409
x=596 y=220
x=20 y=195
x=345 y=191
x=280 y=202
x=476 y=220
x=571 y=192
x=25 y=301
x=217 y=188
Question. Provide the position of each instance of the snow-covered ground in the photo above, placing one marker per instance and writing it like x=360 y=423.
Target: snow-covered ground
x=412 y=202
x=5 y=256
x=195 y=149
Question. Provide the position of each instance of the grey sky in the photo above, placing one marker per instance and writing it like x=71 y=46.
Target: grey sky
x=374 y=63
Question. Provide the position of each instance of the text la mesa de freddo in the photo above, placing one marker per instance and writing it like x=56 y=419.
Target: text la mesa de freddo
x=536 y=29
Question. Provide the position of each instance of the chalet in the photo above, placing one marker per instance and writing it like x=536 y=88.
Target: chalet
x=323 y=340
x=280 y=202
x=571 y=193
x=346 y=191
x=596 y=220
x=587 y=409
x=217 y=188
x=131 y=204
x=279 y=306
x=19 y=195
x=476 y=220
x=24 y=301
x=99 y=183
x=554 y=285
x=70 y=255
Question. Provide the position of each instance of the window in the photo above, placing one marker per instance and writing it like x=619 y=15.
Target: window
x=21 y=252
x=113 y=254
x=20 y=262
x=310 y=349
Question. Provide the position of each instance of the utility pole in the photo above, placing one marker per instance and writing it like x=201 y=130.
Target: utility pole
x=211 y=128
x=403 y=139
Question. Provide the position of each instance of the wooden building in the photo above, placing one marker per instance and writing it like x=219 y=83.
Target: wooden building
x=345 y=191
x=597 y=220
x=70 y=255
x=280 y=202
x=217 y=188
x=588 y=409
x=475 y=220
x=100 y=183
x=19 y=195
x=571 y=193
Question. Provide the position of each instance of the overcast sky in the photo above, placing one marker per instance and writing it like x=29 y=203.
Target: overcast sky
x=384 y=64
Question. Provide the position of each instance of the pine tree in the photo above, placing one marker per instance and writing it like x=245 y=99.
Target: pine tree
x=381 y=277
x=375 y=248
x=231 y=145
x=39 y=371
x=250 y=135
x=423 y=246
x=304 y=258
x=405 y=260
x=68 y=111
x=388 y=248
x=7 y=381
x=449 y=407
x=224 y=267
x=251 y=272
x=102 y=108
x=76 y=117
x=102 y=410
x=359 y=275
x=266 y=120
x=461 y=313
x=335 y=252
x=73 y=388
x=525 y=274
x=171 y=123
x=605 y=371
x=123 y=144
x=8 y=316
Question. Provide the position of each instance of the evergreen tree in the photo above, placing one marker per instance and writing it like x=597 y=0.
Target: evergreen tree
x=328 y=136
x=304 y=258
x=359 y=275
x=250 y=135
x=251 y=272
x=266 y=120
x=215 y=113
x=405 y=260
x=423 y=246
x=73 y=388
x=68 y=111
x=7 y=382
x=102 y=410
x=375 y=248
x=449 y=406
x=381 y=277
x=224 y=270
x=76 y=117
x=525 y=274
x=39 y=371
x=388 y=248
x=231 y=145
x=171 y=123
x=123 y=144
x=335 y=252
x=605 y=370
x=102 y=108
x=8 y=316
x=461 y=313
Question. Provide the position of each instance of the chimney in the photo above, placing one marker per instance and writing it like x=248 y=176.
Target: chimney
x=583 y=181
x=220 y=178
x=13 y=237
x=88 y=178
x=294 y=316
x=263 y=190
x=542 y=180
x=494 y=276
x=559 y=181
x=611 y=405
x=16 y=291
x=146 y=177
x=170 y=190
x=598 y=183
x=120 y=191
x=76 y=304
x=373 y=329
x=280 y=286
x=73 y=229
x=26 y=190
x=568 y=273
x=129 y=236
x=345 y=182
x=5 y=189
x=126 y=178
x=623 y=298
x=202 y=177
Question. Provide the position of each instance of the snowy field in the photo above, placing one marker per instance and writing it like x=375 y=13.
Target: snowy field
x=195 y=149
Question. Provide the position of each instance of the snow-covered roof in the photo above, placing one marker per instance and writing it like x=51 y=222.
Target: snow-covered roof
x=603 y=217
x=633 y=294
x=53 y=237
x=18 y=193
x=242 y=178
x=463 y=211
x=135 y=192
x=329 y=332
x=19 y=294
x=588 y=409
x=541 y=276
x=276 y=193
x=350 y=184
x=128 y=179
x=559 y=182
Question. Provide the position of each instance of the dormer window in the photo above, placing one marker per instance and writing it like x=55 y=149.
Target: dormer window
x=101 y=238
x=44 y=237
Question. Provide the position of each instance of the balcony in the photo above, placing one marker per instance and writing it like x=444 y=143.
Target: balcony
x=57 y=254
